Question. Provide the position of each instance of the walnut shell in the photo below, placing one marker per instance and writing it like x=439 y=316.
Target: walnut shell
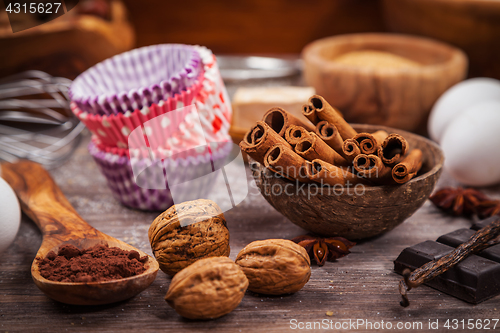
x=187 y=232
x=209 y=288
x=275 y=266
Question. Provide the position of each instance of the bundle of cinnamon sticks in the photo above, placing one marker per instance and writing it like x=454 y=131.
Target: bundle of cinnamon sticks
x=327 y=150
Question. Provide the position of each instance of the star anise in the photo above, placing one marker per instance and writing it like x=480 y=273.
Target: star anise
x=488 y=208
x=322 y=249
x=458 y=201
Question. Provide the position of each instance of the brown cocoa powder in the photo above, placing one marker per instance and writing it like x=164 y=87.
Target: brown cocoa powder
x=95 y=264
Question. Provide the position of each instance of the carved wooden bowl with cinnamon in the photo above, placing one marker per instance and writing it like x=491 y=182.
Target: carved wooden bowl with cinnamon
x=334 y=179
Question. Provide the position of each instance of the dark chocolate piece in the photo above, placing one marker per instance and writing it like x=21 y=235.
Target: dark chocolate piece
x=483 y=223
x=475 y=279
x=460 y=236
x=420 y=254
x=455 y=238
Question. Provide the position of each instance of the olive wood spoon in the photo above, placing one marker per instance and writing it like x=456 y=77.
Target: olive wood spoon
x=45 y=204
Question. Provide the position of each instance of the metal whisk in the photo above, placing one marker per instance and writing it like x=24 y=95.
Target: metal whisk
x=36 y=121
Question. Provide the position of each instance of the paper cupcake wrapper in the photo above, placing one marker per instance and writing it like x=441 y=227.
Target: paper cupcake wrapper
x=135 y=79
x=119 y=173
x=213 y=112
x=212 y=106
x=114 y=130
x=183 y=149
x=213 y=102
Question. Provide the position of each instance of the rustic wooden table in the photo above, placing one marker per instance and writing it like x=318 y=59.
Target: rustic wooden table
x=359 y=287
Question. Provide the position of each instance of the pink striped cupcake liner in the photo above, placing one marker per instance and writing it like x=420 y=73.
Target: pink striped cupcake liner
x=143 y=147
x=135 y=79
x=144 y=136
x=115 y=129
x=211 y=101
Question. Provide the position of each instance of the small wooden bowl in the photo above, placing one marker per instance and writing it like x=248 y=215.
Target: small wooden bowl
x=395 y=97
x=353 y=216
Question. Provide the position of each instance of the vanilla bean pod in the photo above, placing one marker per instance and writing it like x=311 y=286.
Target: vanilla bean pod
x=481 y=240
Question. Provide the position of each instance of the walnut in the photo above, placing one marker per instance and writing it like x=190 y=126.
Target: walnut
x=187 y=232
x=275 y=266
x=209 y=288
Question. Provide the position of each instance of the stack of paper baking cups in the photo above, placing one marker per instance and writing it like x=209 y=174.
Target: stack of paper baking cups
x=159 y=115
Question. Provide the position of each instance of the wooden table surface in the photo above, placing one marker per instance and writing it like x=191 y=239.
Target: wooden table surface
x=360 y=286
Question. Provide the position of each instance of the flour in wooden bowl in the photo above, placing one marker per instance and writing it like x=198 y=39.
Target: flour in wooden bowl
x=375 y=59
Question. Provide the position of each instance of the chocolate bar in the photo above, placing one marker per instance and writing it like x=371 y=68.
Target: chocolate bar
x=483 y=223
x=460 y=236
x=475 y=279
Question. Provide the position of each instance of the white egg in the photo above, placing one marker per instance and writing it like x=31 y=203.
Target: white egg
x=10 y=215
x=471 y=145
x=459 y=98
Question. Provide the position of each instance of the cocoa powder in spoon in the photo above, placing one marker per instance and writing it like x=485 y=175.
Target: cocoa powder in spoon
x=95 y=264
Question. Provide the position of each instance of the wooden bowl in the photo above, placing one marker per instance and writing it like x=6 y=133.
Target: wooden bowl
x=472 y=25
x=351 y=214
x=395 y=97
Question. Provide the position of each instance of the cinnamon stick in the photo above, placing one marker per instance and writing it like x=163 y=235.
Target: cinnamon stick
x=408 y=167
x=279 y=119
x=325 y=111
x=380 y=136
x=259 y=139
x=294 y=134
x=312 y=147
x=369 y=143
x=283 y=160
x=372 y=167
x=325 y=173
x=479 y=241
x=329 y=133
x=350 y=149
x=393 y=149
x=309 y=112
